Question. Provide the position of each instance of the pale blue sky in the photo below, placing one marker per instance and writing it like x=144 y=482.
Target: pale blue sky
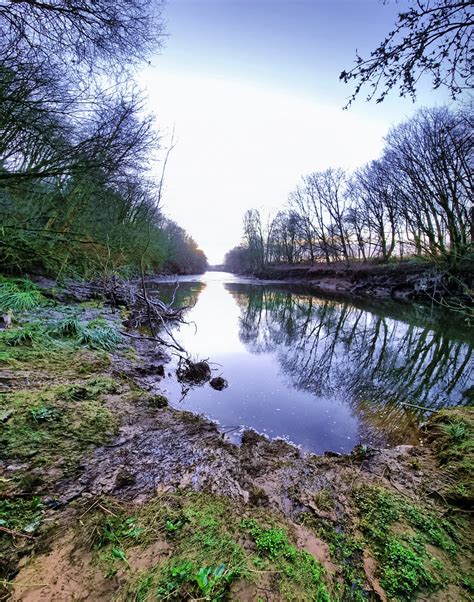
x=252 y=89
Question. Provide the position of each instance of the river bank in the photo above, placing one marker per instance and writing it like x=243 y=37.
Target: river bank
x=409 y=280
x=107 y=492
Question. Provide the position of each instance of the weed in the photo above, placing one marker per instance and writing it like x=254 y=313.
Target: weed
x=21 y=514
x=68 y=327
x=298 y=570
x=99 y=337
x=324 y=500
x=347 y=552
x=456 y=431
x=405 y=565
x=26 y=335
x=19 y=295
x=44 y=413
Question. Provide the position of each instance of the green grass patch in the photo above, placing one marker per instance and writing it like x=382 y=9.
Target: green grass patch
x=18 y=295
x=212 y=545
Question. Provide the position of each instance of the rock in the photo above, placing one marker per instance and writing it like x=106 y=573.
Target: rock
x=218 y=383
x=4 y=416
x=158 y=401
x=332 y=454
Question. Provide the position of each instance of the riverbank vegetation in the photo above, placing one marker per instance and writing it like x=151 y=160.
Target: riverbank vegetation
x=80 y=187
x=414 y=201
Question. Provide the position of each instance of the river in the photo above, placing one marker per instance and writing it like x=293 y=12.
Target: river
x=324 y=373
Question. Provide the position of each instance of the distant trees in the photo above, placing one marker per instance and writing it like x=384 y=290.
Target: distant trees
x=415 y=200
x=431 y=37
x=76 y=190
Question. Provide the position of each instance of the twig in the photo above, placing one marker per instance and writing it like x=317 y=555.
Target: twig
x=15 y=533
x=412 y=405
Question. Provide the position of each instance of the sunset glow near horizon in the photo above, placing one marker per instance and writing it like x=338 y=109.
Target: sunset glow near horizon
x=252 y=90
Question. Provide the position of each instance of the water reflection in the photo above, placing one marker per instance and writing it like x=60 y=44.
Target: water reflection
x=377 y=363
x=324 y=373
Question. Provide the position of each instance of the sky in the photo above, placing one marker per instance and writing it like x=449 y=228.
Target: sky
x=251 y=90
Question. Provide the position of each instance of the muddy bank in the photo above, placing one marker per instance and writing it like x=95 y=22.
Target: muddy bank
x=406 y=280
x=107 y=493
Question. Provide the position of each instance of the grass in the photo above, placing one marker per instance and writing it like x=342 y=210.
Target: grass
x=18 y=295
x=451 y=433
x=207 y=552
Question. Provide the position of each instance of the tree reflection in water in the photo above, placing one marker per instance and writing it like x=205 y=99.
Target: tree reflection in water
x=377 y=356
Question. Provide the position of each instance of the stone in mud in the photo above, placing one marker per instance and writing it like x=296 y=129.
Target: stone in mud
x=4 y=416
x=154 y=369
x=124 y=478
x=218 y=383
x=158 y=401
x=333 y=454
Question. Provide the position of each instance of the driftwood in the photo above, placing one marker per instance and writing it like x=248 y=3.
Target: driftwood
x=144 y=310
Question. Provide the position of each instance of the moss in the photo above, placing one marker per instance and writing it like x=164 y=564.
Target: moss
x=158 y=401
x=451 y=434
x=55 y=425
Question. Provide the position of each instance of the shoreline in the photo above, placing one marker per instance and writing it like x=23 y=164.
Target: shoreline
x=115 y=446
x=404 y=281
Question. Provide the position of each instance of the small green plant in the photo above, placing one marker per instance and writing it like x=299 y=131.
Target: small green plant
x=404 y=571
x=117 y=529
x=103 y=337
x=456 y=431
x=297 y=569
x=44 y=413
x=18 y=295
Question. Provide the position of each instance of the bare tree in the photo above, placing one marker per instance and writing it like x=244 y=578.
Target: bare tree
x=431 y=37
x=429 y=160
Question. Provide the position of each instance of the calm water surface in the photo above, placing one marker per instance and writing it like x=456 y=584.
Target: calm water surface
x=323 y=373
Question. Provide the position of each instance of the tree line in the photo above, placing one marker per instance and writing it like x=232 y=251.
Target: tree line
x=415 y=200
x=79 y=192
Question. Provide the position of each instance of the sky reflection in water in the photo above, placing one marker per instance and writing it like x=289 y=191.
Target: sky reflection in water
x=322 y=373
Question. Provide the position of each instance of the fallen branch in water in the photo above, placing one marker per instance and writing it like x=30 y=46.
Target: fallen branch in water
x=412 y=405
